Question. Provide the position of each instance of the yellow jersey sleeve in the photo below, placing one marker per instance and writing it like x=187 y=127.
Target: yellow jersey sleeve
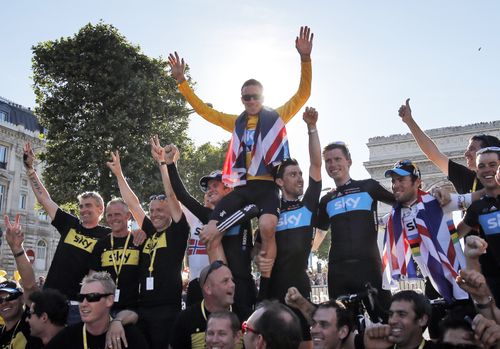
x=226 y=121
x=288 y=110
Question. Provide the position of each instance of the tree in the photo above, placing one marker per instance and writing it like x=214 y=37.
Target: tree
x=324 y=248
x=196 y=163
x=95 y=93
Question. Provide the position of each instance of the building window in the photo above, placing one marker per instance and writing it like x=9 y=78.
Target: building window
x=42 y=215
x=3 y=157
x=22 y=201
x=3 y=195
x=4 y=116
x=41 y=255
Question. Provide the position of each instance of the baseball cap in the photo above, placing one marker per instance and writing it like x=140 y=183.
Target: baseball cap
x=10 y=286
x=404 y=168
x=217 y=175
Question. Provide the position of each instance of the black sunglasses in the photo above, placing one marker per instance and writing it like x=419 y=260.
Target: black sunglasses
x=213 y=266
x=160 y=197
x=10 y=297
x=256 y=97
x=91 y=297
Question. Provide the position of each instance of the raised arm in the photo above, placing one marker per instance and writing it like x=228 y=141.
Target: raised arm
x=126 y=192
x=177 y=67
x=311 y=117
x=428 y=147
x=41 y=194
x=15 y=239
x=158 y=153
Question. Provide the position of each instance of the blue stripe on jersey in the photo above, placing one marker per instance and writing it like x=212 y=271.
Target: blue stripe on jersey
x=233 y=231
x=294 y=219
x=351 y=202
x=490 y=223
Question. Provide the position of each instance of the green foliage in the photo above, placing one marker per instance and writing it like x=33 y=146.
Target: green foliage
x=195 y=163
x=96 y=93
x=324 y=248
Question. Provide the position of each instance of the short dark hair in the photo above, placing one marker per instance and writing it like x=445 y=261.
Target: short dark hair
x=338 y=145
x=344 y=315
x=279 y=326
x=279 y=170
x=421 y=304
x=251 y=82
x=53 y=303
x=457 y=318
x=486 y=140
x=233 y=319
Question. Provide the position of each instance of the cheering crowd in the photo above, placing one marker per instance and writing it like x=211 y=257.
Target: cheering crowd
x=109 y=287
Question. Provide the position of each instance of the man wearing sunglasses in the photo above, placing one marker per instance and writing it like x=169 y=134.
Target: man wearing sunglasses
x=14 y=301
x=96 y=298
x=216 y=282
x=258 y=143
x=78 y=236
x=463 y=177
x=484 y=216
x=161 y=257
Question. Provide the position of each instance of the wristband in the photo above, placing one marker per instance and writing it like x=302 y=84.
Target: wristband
x=30 y=171
x=314 y=130
x=120 y=320
x=162 y=163
x=19 y=254
x=484 y=305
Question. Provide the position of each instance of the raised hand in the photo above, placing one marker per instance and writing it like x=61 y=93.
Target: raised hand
x=405 y=111
x=310 y=116
x=14 y=235
x=378 y=336
x=294 y=298
x=177 y=67
x=157 y=151
x=474 y=246
x=474 y=283
x=28 y=156
x=114 y=165
x=486 y=330
x=304 y=43
x=172 y=154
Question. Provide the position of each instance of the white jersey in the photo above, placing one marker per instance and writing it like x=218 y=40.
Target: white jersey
x=196 y=250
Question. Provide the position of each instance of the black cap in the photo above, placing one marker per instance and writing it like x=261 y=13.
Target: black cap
x=217 y=175
x=10 y=286
x=404 y=168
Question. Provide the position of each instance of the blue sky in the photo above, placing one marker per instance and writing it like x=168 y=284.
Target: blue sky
x=368 y=56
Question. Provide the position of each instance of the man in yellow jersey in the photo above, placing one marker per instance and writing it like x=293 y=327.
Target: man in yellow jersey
x=258 y=143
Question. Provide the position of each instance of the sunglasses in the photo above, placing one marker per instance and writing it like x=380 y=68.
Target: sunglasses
x=399 y=164
x=213 y=266
x=29 y=313
x=10 y=297
x=245 y=328
x=160 y=197
x=91 y=297
x=255 y=97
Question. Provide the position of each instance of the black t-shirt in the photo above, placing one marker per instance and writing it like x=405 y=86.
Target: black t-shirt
x=191 y=324
x=294 y=234
x=463 y=179
x=170 y=246
x=128 y=281
x=72 y=337
x=351 y=212
x=18 y=337
x=484 y=216
x=237 y=241
x=71 y=259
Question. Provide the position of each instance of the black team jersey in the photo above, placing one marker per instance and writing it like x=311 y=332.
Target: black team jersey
x=72 y=256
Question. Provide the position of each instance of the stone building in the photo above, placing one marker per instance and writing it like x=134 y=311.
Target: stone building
x=452 y=141
x=17 y=126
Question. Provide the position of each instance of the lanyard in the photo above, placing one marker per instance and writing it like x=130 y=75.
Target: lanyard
x=205 y=315
x=124 y=251
x=13 y=333
x=152 y=261
x=474 y=185
x=422 y=344
x=84 y=334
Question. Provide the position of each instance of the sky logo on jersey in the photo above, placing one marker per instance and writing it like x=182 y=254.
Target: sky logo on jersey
x=155 y=242
x=131 y=257
x=490 y=223
x=350 y=202
x=294 y=219
x=80 y=241
x=232 y=231
x=249 y=135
